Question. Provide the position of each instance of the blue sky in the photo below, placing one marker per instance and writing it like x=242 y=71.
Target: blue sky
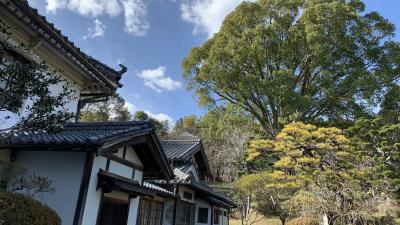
x=151 y=37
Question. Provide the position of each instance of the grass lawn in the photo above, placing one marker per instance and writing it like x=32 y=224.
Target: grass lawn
x=262 y=222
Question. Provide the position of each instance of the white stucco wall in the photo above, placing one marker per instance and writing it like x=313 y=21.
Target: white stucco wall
x=120 y=169
x=65 y=169
x=168 y=211
x=93 y=196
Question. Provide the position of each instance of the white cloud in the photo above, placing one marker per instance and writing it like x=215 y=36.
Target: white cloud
x=135 y=12
x=53 y=5
x=98 y=30
x=158 y=116
x=90 y=8
x=207 y=15
x=157 y=80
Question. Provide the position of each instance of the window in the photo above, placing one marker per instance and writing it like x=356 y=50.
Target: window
x=151 y=212
x=113 y=212
x=185 y=213
x=202 y=217
x=188 y=195
x=217 y=212
x=225 y=213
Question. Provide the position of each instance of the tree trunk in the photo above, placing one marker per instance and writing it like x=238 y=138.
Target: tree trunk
x=283 y=220
x=325 y=219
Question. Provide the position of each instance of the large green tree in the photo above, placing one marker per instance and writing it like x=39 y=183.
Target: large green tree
x=162 y=127
x=314 y=60
x=113 y=109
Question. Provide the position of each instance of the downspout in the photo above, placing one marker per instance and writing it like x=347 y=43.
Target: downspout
x=176 y=193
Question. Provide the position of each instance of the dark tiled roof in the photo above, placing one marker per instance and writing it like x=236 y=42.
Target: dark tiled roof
x=39 y=24
x=183 y=178
x=110 y=180
x=94 y=133
x=159 y=190
x=202 y=187
x=180 y=149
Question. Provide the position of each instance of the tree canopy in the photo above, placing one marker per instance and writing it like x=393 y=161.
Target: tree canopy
x=313 y=60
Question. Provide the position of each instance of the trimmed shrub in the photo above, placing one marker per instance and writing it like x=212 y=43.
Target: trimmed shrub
x=18 y=209
x=303 y=221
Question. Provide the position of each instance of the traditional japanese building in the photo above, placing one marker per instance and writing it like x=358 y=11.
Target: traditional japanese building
x=195 y=203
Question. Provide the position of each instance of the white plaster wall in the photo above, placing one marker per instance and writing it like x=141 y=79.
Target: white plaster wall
x=120 y=169
x=200 y=203
x=133 y=211
x=65 y=169
x=168 y=211
x=185 y=189
x=93 y=196
x=132 y=156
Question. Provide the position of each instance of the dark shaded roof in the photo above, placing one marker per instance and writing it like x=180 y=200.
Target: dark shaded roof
x=90 y=133
x=45 y=29
x=180 y=149
x=210 y=193
x=181 y=153
x=109 y=181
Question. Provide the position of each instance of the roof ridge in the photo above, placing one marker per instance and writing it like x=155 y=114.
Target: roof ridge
x=107 y=123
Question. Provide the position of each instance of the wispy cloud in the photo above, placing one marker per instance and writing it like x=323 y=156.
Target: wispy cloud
x=96 y=30
x=157 y=79
x=134 y=11
x=206 y=15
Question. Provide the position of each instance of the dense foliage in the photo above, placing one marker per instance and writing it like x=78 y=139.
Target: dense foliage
x=312 y=60
x=18 y=209
x=25 y=88
x=319 y=171
x=113 y=109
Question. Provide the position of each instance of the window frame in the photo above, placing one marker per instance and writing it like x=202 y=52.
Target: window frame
x=203 y=219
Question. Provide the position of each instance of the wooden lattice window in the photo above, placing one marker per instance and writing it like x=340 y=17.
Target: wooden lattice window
x=113 y=213
x=217 y=214
x=185 y=213
x=151 y=212
x=202 y=216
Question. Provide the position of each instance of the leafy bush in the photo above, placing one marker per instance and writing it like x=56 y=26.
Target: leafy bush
x=18 y=209
x=303 y=221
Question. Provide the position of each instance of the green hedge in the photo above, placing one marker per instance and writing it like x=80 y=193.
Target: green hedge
x=17 y=209
x=303 y=221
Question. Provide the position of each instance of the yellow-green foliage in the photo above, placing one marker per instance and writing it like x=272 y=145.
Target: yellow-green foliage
x=17 y=209
x=296 y=138
x=303 y=221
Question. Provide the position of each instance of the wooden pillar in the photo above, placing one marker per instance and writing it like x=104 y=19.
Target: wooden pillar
x=175 y=203
x=212 y=215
